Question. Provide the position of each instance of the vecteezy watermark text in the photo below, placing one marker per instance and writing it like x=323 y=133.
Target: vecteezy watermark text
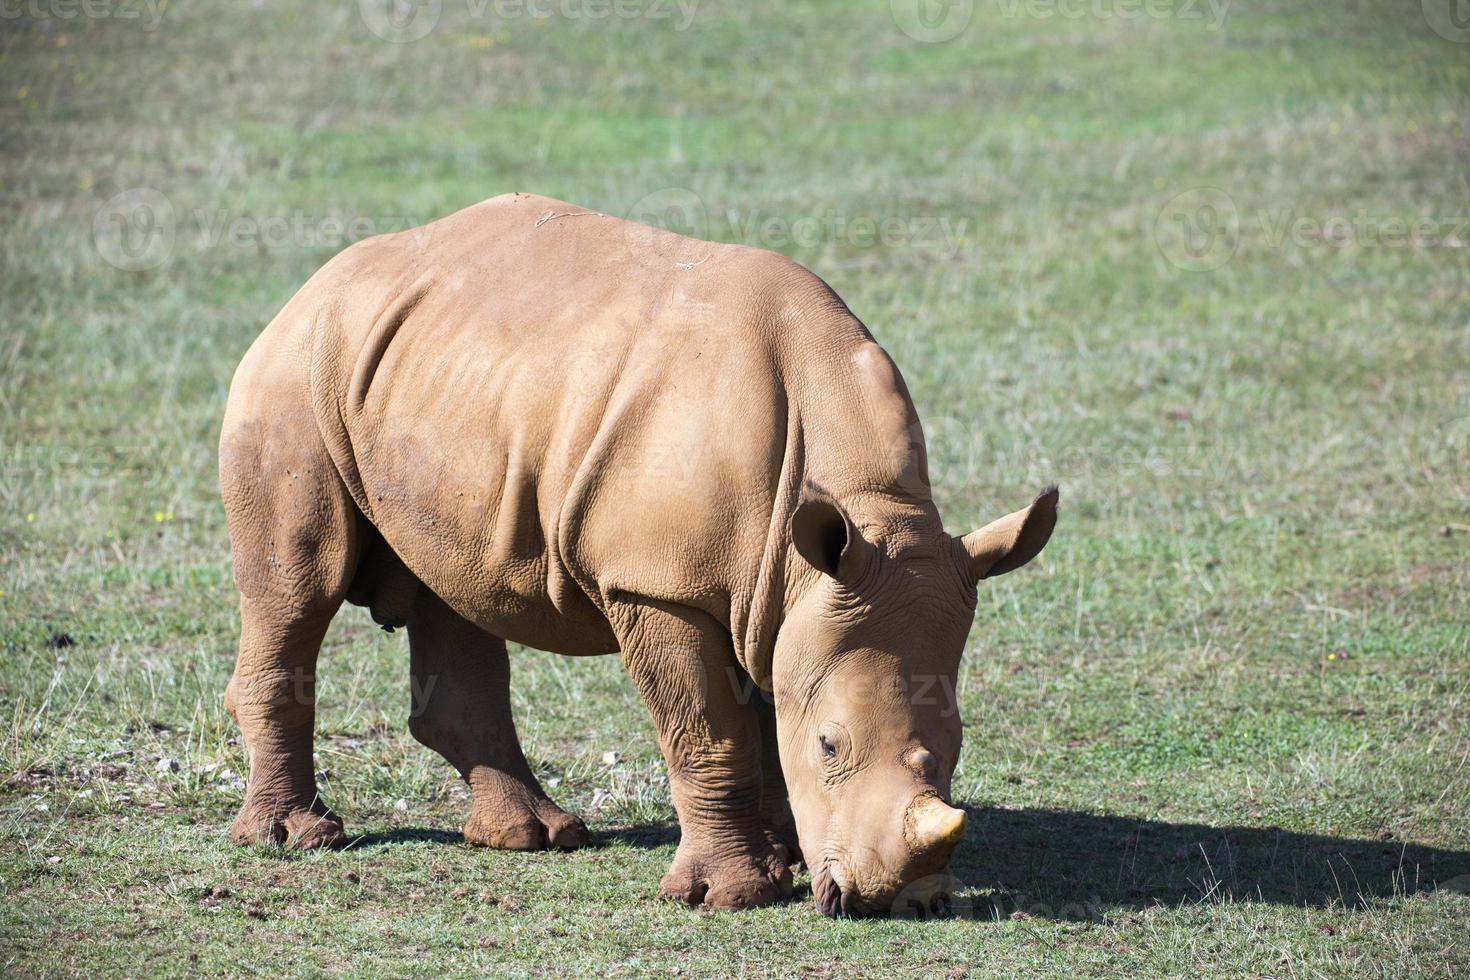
x=1213 y=11
x=148 y=12
x=404 y=21
x=141 y=229
x=939 y=232
x=683 y=211
x=1202 y=228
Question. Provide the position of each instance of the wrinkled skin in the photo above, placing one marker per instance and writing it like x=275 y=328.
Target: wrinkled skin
x=532 y=422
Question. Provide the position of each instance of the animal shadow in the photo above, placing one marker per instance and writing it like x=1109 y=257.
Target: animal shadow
x=1063 y=864
x=404 y=835
x=647 y=836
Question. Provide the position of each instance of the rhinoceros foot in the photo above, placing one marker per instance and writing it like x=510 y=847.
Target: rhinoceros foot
x=727 y=882
x=301 y=829
x=526 y=827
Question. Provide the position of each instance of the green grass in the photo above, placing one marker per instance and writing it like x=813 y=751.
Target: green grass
x=1222 y=726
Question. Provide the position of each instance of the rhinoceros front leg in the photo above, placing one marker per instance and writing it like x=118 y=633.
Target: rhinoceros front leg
x=711 y=740
x=775 y=806
x=461 y=709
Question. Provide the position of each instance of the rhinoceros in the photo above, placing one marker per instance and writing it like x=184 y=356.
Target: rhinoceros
x=532 y=422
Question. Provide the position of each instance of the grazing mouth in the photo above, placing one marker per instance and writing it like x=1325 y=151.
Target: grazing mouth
x=835 y=901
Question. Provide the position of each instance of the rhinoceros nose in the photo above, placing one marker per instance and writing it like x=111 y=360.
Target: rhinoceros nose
x=931 y=824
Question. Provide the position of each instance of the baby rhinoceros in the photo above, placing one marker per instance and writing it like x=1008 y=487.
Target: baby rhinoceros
x=532 y=422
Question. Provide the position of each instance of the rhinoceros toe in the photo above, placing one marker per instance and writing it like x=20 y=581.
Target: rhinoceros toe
x=526 y=829
x=743 y=883
x=303 y=829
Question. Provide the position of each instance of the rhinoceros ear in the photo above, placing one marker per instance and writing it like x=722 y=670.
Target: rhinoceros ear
x=1006 y=544
x=828 y=541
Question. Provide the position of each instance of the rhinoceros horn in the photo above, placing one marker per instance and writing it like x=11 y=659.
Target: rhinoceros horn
x=931 y=824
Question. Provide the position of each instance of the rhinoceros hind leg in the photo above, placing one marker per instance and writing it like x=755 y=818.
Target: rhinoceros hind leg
x=460 y=708
x=293 y=530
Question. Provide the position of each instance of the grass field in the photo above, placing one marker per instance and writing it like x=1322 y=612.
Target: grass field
x=1210 y=270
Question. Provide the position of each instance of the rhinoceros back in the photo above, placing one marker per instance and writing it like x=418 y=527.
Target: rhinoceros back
x=537 y=406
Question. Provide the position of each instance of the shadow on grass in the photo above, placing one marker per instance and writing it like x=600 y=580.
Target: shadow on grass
x=404 y=835
x=1062 y=864
x=1068 y=865
x=649 y=835
x=642 y=836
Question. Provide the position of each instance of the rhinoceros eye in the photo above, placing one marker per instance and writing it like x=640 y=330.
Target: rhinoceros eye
x=828 y=749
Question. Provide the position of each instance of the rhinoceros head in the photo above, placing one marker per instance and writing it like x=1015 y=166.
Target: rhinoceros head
x=864 y=682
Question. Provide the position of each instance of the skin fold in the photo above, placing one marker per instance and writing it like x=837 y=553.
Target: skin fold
x=532 y=422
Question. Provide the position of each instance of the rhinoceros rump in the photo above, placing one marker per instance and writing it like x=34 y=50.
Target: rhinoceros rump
x=532 y=422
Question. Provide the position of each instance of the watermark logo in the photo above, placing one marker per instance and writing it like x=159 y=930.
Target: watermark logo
x=941 y=450
x=932 y=21
x=401 y=21
x=1198 y=230
x=135 y=230
x=943 y=896
x=676 y=209
x=1450 y=19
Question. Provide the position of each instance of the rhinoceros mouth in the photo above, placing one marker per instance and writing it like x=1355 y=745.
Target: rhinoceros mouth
x=835 y=900
x=830 y=897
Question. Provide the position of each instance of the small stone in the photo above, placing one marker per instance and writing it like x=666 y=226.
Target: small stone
x=611 y=758
x=554 y=782
x=168 y=765
x=54 y=859
x=401 y=805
